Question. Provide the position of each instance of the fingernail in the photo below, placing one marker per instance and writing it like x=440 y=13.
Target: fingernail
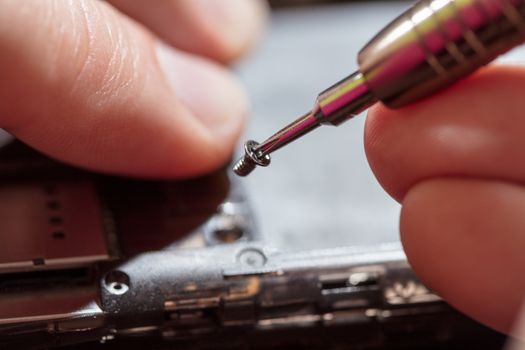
x=241 y=21
x=208 y=90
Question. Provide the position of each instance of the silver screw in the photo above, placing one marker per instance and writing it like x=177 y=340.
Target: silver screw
x=252 y=258
x=250 y=160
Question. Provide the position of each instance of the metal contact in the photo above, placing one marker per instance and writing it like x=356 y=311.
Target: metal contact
x=250 y=160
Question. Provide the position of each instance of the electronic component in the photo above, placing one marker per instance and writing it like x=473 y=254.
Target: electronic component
x=184 y=264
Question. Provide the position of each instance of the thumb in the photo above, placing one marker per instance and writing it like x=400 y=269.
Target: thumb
x=90 y=87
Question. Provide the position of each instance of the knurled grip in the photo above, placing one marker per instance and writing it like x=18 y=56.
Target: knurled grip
x=435 y=43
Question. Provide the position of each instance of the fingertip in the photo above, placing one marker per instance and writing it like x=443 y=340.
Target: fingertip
x=379 y=149
x=241 y=24
x=463 y=238
x=222 y=30
x=469 y=128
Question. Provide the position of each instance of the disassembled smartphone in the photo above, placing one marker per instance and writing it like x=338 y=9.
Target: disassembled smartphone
x=104 y=261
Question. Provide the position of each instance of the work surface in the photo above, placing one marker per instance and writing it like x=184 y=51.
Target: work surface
x=318 y=192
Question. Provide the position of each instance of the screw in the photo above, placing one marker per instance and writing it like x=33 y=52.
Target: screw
x=252 y=258
x=250 y=160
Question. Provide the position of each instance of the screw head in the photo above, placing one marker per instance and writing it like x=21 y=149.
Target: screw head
x=252 y=257
x=250 y=160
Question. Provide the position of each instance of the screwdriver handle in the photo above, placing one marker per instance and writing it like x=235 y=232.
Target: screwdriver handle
x=437 y=42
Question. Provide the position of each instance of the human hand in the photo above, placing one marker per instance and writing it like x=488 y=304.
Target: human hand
x=456 y=162
x=84 y=83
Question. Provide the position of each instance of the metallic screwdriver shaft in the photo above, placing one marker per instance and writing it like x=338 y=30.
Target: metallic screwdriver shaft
x=430 y=46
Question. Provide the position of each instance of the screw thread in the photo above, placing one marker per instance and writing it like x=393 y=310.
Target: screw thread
x=244 y=166
x=250 y=160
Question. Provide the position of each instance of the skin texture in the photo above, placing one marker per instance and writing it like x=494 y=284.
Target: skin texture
x=455 y=162
x=204 y=27
x=90 y=86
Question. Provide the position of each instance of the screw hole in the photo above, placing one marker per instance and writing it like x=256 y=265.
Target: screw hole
x=117 y=282
x=229 y=235
x=227 y=228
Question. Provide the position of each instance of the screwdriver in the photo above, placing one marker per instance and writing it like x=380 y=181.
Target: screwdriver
x=427 y=48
